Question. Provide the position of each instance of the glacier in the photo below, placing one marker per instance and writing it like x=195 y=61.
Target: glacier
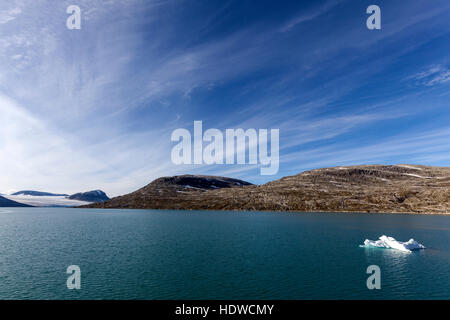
x=390 y=243
x=46 y=201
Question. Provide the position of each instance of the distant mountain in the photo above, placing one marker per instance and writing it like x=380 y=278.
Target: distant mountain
x=90 y=196
x=38 y=194
x=47 y=199
x=9 y=203
x=364 y=188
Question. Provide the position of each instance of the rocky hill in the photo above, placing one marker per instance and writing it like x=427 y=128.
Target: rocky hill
x=366 y=188
x=90 y=196
x=171 y=192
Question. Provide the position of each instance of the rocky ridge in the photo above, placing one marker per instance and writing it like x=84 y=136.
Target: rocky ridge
x=364 y=188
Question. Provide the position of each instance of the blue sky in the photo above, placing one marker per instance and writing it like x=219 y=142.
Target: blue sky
x=94 y=108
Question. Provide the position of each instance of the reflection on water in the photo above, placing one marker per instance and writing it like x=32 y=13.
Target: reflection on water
x=396 y=260
x=394 y=263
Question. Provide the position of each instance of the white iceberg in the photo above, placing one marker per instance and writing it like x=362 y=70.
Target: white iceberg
x=391 y=243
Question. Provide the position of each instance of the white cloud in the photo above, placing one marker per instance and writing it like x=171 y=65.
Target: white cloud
x=9 y=15
x=35 y=156
x=66 y=96
x=434 y=75
x=61 y=100
x=310 y=15
x=427 y=147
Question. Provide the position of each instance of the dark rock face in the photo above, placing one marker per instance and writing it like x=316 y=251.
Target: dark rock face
x=38 y=194
x=9 y=203
x=365 y=188
x=90 y=196
x=199 y=182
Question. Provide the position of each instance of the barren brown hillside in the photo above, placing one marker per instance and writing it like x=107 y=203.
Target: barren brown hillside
x=365 y=188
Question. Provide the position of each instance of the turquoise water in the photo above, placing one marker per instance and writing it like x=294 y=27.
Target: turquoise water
x=146 y=254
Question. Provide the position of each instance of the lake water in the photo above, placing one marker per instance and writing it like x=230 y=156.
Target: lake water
x=148 y=254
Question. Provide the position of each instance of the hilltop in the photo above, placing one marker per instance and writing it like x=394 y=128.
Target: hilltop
x=90 y=196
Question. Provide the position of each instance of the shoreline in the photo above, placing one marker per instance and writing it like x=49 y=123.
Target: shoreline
x=243 y=211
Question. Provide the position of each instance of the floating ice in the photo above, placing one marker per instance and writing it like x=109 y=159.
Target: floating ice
x=391 y=243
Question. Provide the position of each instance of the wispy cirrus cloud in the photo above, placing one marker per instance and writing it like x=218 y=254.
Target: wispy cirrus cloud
x=426 y=147
x=9 y=14
x=95 y=108
x=310 y=14
x=435 y=75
